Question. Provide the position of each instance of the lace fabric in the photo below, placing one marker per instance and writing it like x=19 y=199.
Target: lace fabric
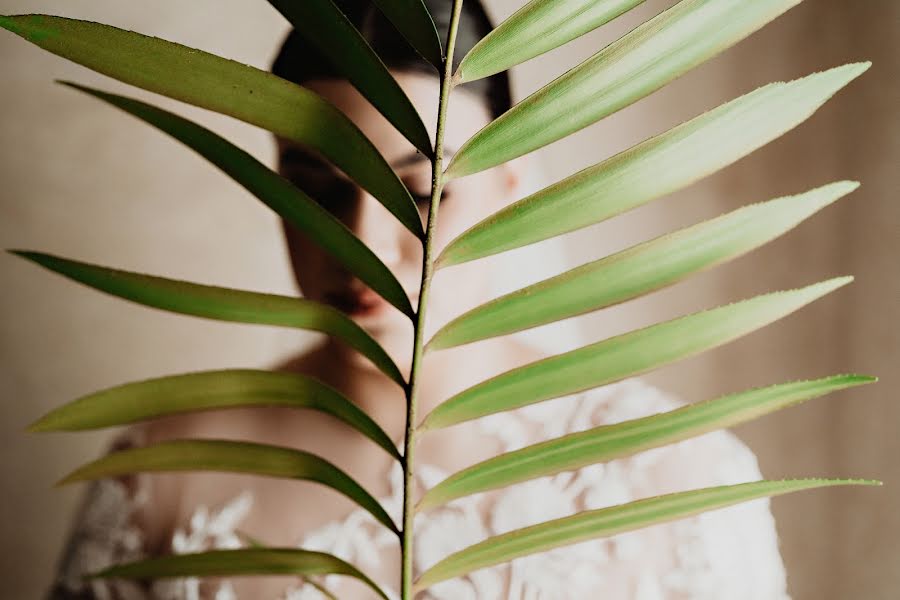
x=729 y=553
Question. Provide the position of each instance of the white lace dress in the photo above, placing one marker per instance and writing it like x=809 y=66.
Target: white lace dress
x=729 y=553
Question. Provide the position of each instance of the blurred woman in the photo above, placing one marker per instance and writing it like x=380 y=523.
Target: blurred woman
x=731 y=553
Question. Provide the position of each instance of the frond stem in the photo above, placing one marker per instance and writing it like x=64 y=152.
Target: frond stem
x=437 y=184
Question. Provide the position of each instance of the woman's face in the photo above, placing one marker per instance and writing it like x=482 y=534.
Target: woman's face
x=464 y=203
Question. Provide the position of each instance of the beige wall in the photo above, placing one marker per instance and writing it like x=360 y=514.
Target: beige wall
x=82 y=180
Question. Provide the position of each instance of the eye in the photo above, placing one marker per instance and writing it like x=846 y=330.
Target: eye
x=332 y=193
x=336 y=196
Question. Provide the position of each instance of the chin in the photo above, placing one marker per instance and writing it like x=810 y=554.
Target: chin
x=393 y=331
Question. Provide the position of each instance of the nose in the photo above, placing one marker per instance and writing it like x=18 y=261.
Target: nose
x=378 y=229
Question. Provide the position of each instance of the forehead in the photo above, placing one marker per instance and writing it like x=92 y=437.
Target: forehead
x=466 y=114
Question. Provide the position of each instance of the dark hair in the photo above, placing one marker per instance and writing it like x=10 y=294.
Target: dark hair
x=297 y=61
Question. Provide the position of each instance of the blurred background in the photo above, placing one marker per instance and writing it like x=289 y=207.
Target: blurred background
x=84 y=181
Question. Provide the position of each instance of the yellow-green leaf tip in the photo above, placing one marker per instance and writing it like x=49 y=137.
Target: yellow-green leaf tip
x=26 y=26
x=857 y=379
x=815 y=291
x=80 y=474
x=866 y=482
x=71 y=478
x=39 y=426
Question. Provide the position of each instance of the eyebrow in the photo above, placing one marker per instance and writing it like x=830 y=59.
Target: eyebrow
x=296 y=154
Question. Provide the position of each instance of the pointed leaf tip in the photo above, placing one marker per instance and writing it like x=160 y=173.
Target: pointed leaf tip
x=846 y=73
x=609 y=442
x=658 y=166
x=537 y=27
x=38 y=426
x=858 y=379
x=832 y=284
x=227 y=456
x=38 y=258
x=238 y=562
x=613 y=520
x=9 y=23
x=223 y=304
x=845 y=186
x=414 y=22
x=862 y=66
x=210 y=390
x=279 y=194
x=326 y=28
x=225 y=86
x=622 y=356
x=638 y=270
x=639 y=63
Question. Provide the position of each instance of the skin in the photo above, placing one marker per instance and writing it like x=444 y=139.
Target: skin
x=275 y=518
x=464 y=203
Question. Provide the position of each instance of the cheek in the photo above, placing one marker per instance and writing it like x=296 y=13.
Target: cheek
x=470 y=200
x=310 y=264
x=462 y=287
x=458 y=289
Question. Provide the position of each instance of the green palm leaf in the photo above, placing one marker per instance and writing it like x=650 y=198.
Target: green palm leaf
x=208 y=390
x=637 y=270
x=231 y=457
x=611 y=521
x=641 y=62
x=220 y=85
x=636 y=65
x=248 y=561
x=622 y=356
x=653 y=168
x=414 y=22
x=222 y=304
x=328 y=29
x=536 y=28
x=609 y=442
x=277 y=193
x=242 y=562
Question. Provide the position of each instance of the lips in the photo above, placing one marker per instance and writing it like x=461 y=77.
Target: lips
x=361 y=302
x=357 y=302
